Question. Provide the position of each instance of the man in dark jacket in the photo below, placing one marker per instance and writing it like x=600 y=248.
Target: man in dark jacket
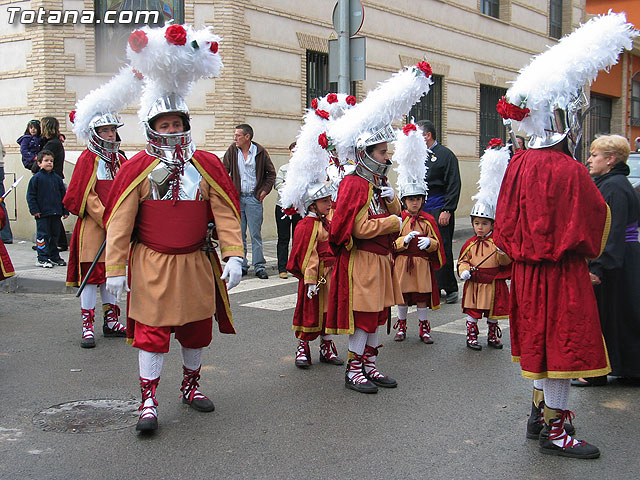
x=443 y=178
x=253 y=174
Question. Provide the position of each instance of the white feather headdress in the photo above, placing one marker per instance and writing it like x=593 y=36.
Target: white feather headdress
x=312 y=154
x=555 y=76
x=172 y=58
x=388 y=102
x=410 y=154
x=121 y=91
x=493 y=165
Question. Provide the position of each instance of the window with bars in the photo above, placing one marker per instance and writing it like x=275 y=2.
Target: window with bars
x=635 y=100
x=491 y=8
x=111 y=37
x=491 y=125
x=595 y=120
x=430 y=106
x=555 y=18
x=318 y=84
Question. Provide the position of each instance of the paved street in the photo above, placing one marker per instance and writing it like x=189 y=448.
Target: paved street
x=457 y=413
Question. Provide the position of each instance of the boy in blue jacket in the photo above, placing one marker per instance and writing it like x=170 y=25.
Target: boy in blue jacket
x=44 y=196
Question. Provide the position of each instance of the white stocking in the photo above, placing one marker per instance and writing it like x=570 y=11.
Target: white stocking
x=150 y=364
x=357 y=341
x=556 y=393
x=471 y=319
x=191 y=357
x=538 y=384
x=105 y=296
x=88 y=297
x=422 y=313
x=402 y=312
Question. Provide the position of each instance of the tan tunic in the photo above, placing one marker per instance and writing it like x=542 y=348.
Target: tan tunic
x=91 y=233
x=480 y=295
x=419 y=279
x=316 y=269
x=375 y=283
x=169 y=290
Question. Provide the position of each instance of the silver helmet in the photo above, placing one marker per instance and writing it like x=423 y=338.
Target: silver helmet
x=483 y=210
x=169 y=147
x=316 y=191
x=98 y=145
x=366 y=167
x=414 y=187
x=564 y=122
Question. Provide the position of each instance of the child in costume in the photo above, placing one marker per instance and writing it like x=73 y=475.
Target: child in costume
x=419 y=249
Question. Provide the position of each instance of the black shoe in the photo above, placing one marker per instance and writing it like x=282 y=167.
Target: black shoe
x=8 y=242
x=200 y=404
x=304 y=364
x=262 y=274
x=147 y=425
x=60 y=262
x=474 y=346
x=367 y=387
x=582 y=450
x=88 y=342
x=109 y=332
x=244 y=273
x=34 y=247
x=589 y=382
x=384 y=382
x=452 y=297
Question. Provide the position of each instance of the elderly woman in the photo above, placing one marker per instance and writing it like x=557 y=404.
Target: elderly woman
x=614 y=274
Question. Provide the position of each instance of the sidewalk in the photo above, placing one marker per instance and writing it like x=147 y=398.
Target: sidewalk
x=32 y=279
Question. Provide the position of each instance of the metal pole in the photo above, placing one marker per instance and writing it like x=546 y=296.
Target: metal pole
x=344 y=75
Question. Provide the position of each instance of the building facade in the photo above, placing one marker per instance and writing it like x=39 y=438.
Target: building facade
x=275 y=55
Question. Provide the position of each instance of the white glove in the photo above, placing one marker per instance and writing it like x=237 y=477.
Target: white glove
x=423 y=243
x=312 y=290
x=232 y=273
x=117 y=285
x=410 y=236
x=387 y=193
x=465 y=275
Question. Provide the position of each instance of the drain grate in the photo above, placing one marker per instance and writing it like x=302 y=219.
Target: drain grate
x=88 y=416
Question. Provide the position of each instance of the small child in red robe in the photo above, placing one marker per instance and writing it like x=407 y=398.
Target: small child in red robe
x=419 y=252
x=484 y=267
x=311 y=262
x=6 y=267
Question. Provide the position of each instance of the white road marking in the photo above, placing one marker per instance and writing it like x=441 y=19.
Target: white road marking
x=249 y=284
x=459 y=327
x=277 y=304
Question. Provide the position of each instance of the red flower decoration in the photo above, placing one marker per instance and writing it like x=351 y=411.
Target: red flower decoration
x=495 y=143
x=176 y=35
x=332 y=98
x=508 y=110
x=426 y=68
x=138 y=40
x=137 y=74
x=323 y=141
x=314 y=103
x=289 y=211
x=323 y=114
x=409 y=127
x=72 y=116
x=214 y=47
x=351 y=100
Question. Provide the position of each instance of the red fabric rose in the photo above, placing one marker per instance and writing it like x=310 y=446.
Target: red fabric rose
x=137 y=74
x=426 y=68
x=409 y=127
x=508 y=110
x=495 y=143
x=314 y=103
x=138 y=40
x=214 y=47
x=289 y=211
x=323 y=141
x=332 y=98
x=323 y=114
x=72 y=116
x=351 y=100
x=176 y=35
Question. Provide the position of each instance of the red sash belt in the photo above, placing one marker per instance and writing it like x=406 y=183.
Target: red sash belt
x=413 y=251
x=325 y=254
x=103 y=187
x=380 y=245
x=172 y=228
x=485 y=275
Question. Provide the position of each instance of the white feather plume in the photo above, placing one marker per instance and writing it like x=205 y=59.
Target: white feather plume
x=410 y=154
x=388 y=102
x=310 y=160
x=115 y=95
x=169 y=68
x=493 y=164
x=555 y=76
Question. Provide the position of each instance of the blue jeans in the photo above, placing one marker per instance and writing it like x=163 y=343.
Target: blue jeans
x=5 y=233
x=251 y=214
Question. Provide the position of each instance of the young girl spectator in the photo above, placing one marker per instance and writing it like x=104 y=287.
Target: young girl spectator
x=30 y=143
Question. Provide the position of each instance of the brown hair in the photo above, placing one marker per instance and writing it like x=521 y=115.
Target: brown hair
x=50 y=127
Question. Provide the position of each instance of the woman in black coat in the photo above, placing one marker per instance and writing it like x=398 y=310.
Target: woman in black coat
x=615 y=275
x=53 y=143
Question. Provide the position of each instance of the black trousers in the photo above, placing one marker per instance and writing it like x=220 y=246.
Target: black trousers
x=47 y=231
x=286 y=226
x=445 y=277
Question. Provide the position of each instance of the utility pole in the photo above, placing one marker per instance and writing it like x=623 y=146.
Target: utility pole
x=344 y=54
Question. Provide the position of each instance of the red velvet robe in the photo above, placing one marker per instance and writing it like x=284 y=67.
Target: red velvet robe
x=6 y=267
x=138 y=168
x=550 y=219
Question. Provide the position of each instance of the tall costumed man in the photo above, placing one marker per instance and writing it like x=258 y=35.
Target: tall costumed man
x=157 y=221
x=551 y=218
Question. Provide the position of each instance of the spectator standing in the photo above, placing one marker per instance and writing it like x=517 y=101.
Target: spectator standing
x=30 y=143
x=443 y=178
x=5 y=232
x=286 y=223
x=253 y=175
x=53 y=143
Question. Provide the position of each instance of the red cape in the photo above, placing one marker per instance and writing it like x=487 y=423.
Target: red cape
x=210 y=167
x=82 y=181
x=6 y=267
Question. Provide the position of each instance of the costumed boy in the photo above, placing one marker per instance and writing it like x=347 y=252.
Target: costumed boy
x=95 y=121
x=418 y=250
x=482 y=265
x=550 y=219
x=366 y=223
x=161 y=203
